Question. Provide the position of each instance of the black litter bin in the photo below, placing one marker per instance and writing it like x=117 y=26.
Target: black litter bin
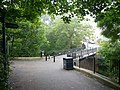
x=68 y=63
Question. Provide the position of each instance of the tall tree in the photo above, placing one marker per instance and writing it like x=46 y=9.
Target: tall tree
x=27 y=40
x=105 y=11
x=63 y=36
x=107 y=14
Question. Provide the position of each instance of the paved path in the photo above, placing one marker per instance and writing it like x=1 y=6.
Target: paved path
x=46 y=75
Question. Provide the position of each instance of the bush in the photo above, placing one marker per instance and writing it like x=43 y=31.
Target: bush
x=109 y=65
x=3 y=75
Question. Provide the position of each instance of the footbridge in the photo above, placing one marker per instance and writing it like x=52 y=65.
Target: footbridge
x=83 y=53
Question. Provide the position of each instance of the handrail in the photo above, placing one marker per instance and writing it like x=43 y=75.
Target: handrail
x=83 y=53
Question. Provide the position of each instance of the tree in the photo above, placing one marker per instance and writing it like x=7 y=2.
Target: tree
x=109 y=21
x=110 y=52
x=63 y=36
x=30 y=9
x=105 y=11
x=26 y=41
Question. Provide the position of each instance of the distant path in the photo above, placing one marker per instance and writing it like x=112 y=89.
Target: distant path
x=46 y=75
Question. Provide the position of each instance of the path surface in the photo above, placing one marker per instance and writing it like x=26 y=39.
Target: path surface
x=46 y=75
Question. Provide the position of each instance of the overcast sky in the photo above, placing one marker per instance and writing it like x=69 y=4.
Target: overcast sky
x=94 y=25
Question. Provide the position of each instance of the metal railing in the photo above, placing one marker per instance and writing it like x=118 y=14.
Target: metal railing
x=83 y=53
x=88 y=59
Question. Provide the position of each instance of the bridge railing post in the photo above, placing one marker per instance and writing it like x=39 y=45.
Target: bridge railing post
x=92 y=50
x=94 y=68
x=81 y=54
x=88 y=51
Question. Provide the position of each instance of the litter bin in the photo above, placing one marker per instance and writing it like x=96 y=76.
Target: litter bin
x=68 y=63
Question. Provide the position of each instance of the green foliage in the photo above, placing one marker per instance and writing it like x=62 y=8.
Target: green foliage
x=27 y=40
x=110 y=53
x=63 y=36
x=109 y=20
x=106 y=12
x=110 y=50
x=30 y=9
x=3 y=73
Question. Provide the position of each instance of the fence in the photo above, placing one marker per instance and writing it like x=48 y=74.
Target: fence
x=85 y=58
x=82 y=53
x=61 y=52
x=89 y=60
x=109 y=69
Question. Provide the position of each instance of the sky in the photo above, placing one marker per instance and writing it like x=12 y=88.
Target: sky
x=97 y=32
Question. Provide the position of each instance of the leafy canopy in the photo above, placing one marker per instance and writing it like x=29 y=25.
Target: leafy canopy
x=106 y=12
x=27 y=40
x=63 y=36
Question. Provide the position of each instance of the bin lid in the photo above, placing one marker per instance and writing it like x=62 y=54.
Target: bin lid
x=67 y=58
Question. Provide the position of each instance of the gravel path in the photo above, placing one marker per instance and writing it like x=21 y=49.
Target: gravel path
x=47 y=75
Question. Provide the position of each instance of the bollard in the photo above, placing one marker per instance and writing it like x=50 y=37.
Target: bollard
x=41 y=53
x=54 y=58
x=79 y=61
x=46 y=57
